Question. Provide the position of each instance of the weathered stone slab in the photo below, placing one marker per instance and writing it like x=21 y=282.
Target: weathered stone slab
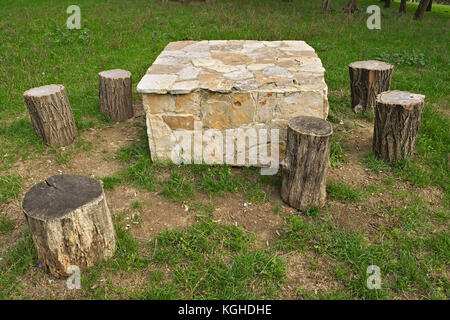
x=212 y=87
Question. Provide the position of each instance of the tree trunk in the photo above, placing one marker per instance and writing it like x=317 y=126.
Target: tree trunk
x=351 y=7
x=51 y=114
x=114 y=92
x=402 y=8
x=70 y=222
x=430 y=5
x=367 y=79
x=421 y=9
x=397 y=119
x=305 y=166
x=326 y=6
x=387 y=3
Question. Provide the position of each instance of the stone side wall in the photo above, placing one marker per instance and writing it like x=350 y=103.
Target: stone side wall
x=171 y=116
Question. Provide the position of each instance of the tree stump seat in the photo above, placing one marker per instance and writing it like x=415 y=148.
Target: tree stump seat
x=51 y=114
x=70 y=222
x=305 y=166
x=114 y=92
x=367 y=79
x=397 y=119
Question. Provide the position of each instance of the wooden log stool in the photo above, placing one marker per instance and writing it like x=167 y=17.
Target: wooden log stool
x=367 y=79
x=397 y=120
x=305 y=166
x=51 y=114
x=70 y=222
x=114 y=93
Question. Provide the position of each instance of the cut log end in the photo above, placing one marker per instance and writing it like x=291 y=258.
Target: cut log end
x=400 y=98
x=44 y=90
x=65 y=193
x=312 y=126
x=70 y=223
x=371 y=65
x=115 y=74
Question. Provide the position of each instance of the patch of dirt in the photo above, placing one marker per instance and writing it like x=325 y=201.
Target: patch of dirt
x=300 y=275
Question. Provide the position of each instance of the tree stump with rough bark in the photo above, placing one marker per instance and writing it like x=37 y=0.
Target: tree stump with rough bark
x=397 y=119
x=114 y=92
x=420 y=11
x=351 y=7
x=402 y=7
x=305 y=165
x=367 y=79
x=51 y=114
x=326 y=6
x=70 y=223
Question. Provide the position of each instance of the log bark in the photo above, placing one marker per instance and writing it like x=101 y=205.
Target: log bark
x=367 y=79
x=305 y=166
x=351 y=7
x=114 y=92
x=70 y=223
x=423 y=5
x=51 y=114
x=387 y=3
x=402 y=8
x=430 y=5
x=397 y=119
x=326 y=6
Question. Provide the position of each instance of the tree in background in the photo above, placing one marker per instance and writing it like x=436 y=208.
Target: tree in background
x=326 y=6
x=351 y=7
x=423 y=5
x=402 y=8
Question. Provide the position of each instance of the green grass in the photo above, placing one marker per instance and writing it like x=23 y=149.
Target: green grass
x=342 y=192
x=214 y=261
x=19 y=259
x=206 y=261
x=10 y=186
x=6 y=225
x=405 y=261
x=177 y=188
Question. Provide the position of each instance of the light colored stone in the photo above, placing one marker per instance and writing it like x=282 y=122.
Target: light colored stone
x=277 y=71
x=161 y=138
x=215 y=110
x=239 y=75
x=156 y=83
x=258 y=66
x=184 y=87
x=266 y=103
x=158 y=103
x=247 y=85
x=243 y=108
x=189 y=73
x=188 y=103
x=180 y=122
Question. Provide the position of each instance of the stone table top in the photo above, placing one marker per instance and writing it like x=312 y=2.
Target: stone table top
x=226 y=66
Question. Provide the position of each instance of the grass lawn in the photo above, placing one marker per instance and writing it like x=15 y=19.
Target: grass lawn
x=215 y=232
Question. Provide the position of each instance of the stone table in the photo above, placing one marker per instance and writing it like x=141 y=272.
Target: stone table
x=196 y=90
